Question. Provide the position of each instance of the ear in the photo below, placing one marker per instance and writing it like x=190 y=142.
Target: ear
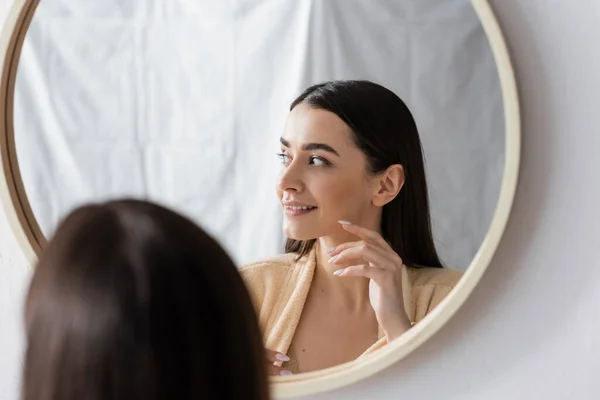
x=390 y=183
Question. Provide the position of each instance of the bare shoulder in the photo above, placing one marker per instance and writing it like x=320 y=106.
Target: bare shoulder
x=425 y=276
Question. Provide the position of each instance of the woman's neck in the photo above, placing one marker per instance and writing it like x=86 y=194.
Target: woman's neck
x=352 y=293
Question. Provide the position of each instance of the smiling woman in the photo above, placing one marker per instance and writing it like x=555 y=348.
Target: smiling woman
x=350 y=152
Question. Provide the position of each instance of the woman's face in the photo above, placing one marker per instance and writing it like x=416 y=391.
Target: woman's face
x=324 y=176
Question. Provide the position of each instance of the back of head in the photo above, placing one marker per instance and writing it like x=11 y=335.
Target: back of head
x=133 y=301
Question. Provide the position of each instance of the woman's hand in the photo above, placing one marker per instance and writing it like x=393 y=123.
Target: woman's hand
x=373 y=258
x=274 y=361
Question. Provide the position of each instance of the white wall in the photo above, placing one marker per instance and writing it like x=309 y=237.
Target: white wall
x=528 y=330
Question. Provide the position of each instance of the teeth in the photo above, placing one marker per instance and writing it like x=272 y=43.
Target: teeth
x=299 y=208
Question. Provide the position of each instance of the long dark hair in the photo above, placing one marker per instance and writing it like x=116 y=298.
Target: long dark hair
x=133 y=301
x=386 y=132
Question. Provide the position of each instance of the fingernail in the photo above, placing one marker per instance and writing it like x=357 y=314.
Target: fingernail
x=344 y=222
x=330 y=250
x=338 y=272
x=285 y=372
x=282 y=357
x=332 y=259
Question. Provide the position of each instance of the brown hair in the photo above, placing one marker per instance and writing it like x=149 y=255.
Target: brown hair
x=133 y=301
x=385 y=131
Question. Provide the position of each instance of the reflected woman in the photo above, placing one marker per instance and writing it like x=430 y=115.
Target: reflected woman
x=360 y=266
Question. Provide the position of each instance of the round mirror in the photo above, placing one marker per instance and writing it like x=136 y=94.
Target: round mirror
x=188 y=104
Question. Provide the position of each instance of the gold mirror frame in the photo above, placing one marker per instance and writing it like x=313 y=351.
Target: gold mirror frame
x=31 y=239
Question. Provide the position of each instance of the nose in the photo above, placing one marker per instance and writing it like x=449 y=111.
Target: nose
x=290 y=179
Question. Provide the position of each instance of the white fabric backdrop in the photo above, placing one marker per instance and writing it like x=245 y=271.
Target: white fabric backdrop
x=183 y=102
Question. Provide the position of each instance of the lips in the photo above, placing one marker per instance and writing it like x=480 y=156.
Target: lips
x=297 y=208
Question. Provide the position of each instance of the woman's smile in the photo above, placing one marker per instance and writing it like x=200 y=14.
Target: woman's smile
x=295 y=209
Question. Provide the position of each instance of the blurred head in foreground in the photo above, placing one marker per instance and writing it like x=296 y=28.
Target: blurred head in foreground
x=133 y=301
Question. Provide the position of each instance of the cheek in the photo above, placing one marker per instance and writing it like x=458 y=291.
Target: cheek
x=341 y=192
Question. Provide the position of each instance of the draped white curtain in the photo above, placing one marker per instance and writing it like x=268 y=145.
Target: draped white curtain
x=183 y=102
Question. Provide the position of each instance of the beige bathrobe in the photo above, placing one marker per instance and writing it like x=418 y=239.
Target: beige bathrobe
x=279 y=287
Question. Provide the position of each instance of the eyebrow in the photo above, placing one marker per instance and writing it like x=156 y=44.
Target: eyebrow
x=312 y=146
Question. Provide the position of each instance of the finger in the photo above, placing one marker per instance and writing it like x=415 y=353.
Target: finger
x=364 y=233
x=274 y=356
x=387 y=252
x=364 y=253
x=364 y=271
x=274 y=370
x=336 y=250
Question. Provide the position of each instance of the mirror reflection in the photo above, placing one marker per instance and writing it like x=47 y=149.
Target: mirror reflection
x=347 y=154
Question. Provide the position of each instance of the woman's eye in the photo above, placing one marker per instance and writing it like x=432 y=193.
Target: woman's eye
x=283 y=158
x=319 y=162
